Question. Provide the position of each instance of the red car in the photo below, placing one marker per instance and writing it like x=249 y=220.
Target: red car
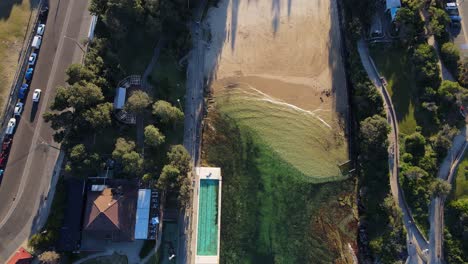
x=3 y=159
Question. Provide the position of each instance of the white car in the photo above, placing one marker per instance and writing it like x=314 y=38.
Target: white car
x=36 y=43
x=32 y=59
x=18 y=109
x=11 y=126
x=40 y=29
x=36 y=95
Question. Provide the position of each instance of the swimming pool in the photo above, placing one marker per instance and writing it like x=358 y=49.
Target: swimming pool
x=207 y=235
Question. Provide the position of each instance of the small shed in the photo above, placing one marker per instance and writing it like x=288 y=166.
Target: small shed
x=392 y=7
x=142 y=214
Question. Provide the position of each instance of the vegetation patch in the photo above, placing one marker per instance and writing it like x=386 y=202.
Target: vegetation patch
x=112 y=259
x=271 y=212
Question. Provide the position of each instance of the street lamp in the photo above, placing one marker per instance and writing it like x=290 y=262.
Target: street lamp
x=178 y=101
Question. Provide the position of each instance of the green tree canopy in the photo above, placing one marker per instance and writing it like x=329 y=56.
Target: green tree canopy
x=167 y=113
x=373 y=134
x=168 y=178
x=451 y=55
x=439 y=21
x=78 y=96
x=137 y=102
x=153 y=136
x=49 y=257
x=440 y=187
x=425 y=60
x=122 y=146
x=99 y=116
x=179 y=158
x=132 y=163
x=415 y=144
x=78 y=72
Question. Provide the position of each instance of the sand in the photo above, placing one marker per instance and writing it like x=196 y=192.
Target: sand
x=288 y=49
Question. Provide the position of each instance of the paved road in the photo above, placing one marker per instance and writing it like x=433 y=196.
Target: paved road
x=194 y=106
x=447 y=171
x=415 y=237
x=28 y=175
x=461 y=35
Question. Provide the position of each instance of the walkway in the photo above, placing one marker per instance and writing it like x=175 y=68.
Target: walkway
x=416 y=241
x=447 y=171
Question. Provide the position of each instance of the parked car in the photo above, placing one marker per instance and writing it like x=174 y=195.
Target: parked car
x=18 y=109
x=36 y=43
x=32 y=58
x=36 y=95
x=40 y=29
x=452 y=10
x=7 y=143
x=23 y=91
x=1 y=175
x=29 y=74
x=11 y=126
x=3 y=159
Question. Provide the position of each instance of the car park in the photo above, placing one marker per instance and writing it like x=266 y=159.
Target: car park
x=40 y=29
x=32 y=58
x=18 y=109
x=36 y=43
x=23 y=91
x=36 y=95
x=11 y=126
x=29 y=74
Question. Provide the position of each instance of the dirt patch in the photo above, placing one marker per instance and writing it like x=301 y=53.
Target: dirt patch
x=287 y=49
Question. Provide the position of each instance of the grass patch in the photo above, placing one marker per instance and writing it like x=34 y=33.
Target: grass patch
x=301 y=139
x=168 y=79
x=14 y=18
x=461 y=181
x=271 y=213
x=112 y=259
x=147 y=247
x=395 y=65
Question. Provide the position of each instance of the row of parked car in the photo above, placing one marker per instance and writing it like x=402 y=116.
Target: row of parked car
x=23 y=91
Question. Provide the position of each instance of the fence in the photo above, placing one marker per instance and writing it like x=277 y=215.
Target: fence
x=20 y=72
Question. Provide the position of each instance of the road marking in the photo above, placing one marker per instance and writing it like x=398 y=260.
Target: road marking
x=39 y=125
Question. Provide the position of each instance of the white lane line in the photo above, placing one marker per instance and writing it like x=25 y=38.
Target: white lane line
x=44 y=105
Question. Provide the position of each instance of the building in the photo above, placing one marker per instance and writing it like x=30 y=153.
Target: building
x=21 y=257
x=110 y=213
x=147 y=215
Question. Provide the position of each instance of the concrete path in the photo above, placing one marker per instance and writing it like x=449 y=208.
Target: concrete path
x=416 y=241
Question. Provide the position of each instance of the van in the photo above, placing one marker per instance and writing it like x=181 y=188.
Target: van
x=11 y=126
x=36 y=43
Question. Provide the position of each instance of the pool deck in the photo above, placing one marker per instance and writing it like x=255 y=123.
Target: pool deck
x=208 y=173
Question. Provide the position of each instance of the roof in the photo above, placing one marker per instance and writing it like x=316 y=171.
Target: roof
x=119 y=100
x=111 y=215
x=21 y=257
x=142 y=214
x=392 y=4
x=393 y=12
x=70 y=233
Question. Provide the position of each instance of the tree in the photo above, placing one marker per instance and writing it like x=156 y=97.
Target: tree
x=451 y=55
x=166 y=112
x=440 y=187
x=153 y=137
x=78 y=96
x=137 y=102
x=78 y=72
x=168 y=178
x=78 y=153
x=49 y=257
x=99 y=116
x=180 y=158
x=415 y=144
x=122 y=146
x=425 y=61
x=147 y=177
x=373 y=135
x=463 y=73
x=132 y=163
x=439 y=21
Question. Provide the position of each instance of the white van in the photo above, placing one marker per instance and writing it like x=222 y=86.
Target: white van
x=36 y=43
x=11 y=126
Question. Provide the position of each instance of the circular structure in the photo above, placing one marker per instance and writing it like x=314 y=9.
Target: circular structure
x=123 y=90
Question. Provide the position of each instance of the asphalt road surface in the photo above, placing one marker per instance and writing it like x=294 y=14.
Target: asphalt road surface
x=28 y=175
x=461 y=34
